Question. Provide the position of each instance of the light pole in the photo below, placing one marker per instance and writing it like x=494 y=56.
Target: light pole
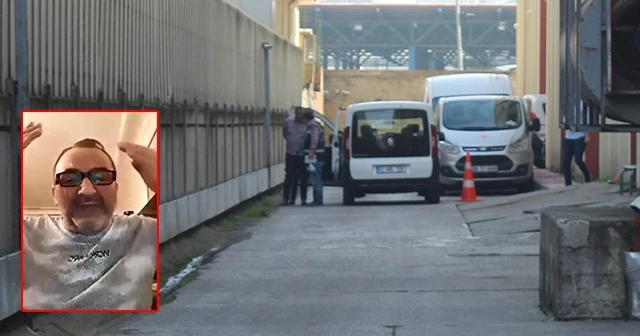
x=267 y=110
x=459 y=35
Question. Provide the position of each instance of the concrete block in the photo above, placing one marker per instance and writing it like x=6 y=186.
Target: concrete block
x=582 y=267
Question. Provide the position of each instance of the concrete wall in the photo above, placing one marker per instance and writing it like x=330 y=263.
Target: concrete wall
x=262 y=11
x=528 y=38
x=344 y=87
x=205 y=75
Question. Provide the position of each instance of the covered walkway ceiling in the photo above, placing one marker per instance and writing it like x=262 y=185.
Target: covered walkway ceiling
x=356 y=33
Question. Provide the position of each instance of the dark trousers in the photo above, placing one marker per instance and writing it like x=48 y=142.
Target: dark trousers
x=573 y=150
x=295 y=174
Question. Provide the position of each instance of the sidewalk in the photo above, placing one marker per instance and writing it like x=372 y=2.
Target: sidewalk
x=388 y=266
x=547 y=179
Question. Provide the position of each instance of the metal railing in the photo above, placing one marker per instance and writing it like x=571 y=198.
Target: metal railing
x=186 y=59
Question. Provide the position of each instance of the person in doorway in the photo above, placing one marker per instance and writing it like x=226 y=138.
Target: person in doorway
x=314 y=150
x=89 y=258
x=294 y=132
x=575 y=144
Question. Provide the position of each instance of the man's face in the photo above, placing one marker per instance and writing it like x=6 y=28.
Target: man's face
x=88 y=205
x=298 y=115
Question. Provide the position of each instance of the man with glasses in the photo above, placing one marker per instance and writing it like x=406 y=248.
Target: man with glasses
x=89 y=258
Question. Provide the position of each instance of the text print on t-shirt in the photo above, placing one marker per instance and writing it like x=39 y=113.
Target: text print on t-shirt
x=93 y=255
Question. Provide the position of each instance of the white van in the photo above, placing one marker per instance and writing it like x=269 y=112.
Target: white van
x=465 y=84
x=387 y=147
x=495 y=130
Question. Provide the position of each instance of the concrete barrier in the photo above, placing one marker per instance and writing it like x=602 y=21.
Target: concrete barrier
x=582 y=266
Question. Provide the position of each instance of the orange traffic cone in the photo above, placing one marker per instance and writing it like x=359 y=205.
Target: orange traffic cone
x=468 y=185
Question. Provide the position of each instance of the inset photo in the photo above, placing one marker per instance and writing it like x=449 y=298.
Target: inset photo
x=90 y=235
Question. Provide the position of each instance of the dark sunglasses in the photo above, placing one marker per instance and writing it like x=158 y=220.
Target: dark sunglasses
x=97 y=176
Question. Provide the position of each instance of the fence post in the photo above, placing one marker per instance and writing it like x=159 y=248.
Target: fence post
x=267 y=110
x=207 y=144
x=141 y=101
x=21 y=91
x=75 y=96
x=48 y=92
x=172 y=112
x=216 y=113
x=122 y=98
x=184 y=147
x=196 y=115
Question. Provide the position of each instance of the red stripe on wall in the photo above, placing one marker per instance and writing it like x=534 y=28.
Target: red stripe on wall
x=592 y=156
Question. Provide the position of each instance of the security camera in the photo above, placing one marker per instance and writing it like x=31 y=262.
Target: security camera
x=635 y=205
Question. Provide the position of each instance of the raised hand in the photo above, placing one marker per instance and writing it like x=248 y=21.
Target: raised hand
x=30 y=133
x=143 y=160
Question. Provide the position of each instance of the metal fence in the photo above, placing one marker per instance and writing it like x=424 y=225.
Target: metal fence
x=199 y=62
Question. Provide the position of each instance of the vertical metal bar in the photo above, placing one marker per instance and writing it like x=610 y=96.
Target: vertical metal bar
x=225 y=111
x=606 y=76
x=196 y=160
x=254 y=146
x=267 y=110
x=247 y=146
x=184 y=148
x=172 y=112
x=579 y=106
x=233 y=114
x=21 y=97
x=459 y=36
x=216 y=136
x=207 y=144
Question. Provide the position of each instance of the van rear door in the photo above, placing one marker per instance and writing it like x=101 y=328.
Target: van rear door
x=390 y=143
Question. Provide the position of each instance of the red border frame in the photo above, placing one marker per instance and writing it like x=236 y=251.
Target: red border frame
x=157 y=135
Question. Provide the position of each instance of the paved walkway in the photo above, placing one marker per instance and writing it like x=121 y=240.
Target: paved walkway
x=378 y=268
x=548 y=179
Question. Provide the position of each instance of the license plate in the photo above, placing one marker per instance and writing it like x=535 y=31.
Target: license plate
x=391 y=169
x=485 y=169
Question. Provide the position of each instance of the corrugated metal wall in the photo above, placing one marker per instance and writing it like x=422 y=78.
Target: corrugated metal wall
x=200 y=62
x=615 y=148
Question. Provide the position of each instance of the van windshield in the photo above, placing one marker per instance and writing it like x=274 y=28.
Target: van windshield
x=482 y=115
x=390 y=133
x=435 y=100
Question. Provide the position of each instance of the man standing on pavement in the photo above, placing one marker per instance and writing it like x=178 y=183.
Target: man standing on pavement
x=575 y=144
x=314 y=149
x=294 y=132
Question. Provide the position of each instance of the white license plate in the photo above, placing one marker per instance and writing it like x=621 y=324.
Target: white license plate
x=485 y=169
x=391 y=169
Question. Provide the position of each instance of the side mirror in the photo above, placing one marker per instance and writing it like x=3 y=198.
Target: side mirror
x=441 y=136
x=535 y=124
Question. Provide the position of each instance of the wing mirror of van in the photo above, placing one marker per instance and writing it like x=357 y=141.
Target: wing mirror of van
x=535 y=124
x=441 y=136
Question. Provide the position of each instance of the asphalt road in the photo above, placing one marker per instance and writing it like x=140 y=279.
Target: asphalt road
x=389 y=266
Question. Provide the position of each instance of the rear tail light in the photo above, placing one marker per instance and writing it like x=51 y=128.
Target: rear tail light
x=434 y=140
x=346 y=142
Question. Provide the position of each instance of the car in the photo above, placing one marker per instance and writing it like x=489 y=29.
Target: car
x=386 y=147
x=496 y=131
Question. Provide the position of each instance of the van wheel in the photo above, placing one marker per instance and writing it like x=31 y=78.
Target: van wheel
x=432 y=195
x=347 y=196
x=528 y=186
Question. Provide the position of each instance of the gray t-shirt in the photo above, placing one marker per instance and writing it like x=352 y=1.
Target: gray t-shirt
x=111 y=270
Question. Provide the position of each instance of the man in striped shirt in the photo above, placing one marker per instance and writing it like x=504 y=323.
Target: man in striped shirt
x=294 y=131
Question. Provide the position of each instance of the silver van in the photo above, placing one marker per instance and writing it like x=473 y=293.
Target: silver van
x=496 y=131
